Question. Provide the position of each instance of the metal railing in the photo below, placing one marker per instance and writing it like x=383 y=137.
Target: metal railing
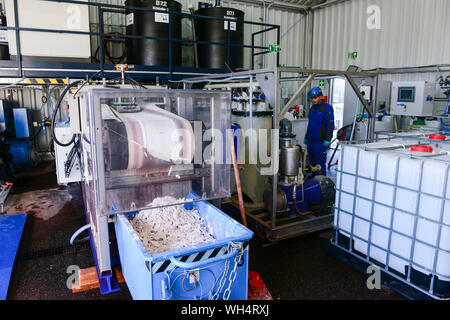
x=410 y=260
x=111 y=8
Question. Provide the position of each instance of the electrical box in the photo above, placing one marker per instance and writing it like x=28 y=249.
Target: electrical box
x=413 y=98
x=351 y=101
x=366 y=91
x=67 y=160
x=51 y=16
x=75 y=113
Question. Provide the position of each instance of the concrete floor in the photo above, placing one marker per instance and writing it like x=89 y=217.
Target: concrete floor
x=293 y=269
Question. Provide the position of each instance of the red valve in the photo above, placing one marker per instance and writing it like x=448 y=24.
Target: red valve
x=422 y=148
x=437 y=137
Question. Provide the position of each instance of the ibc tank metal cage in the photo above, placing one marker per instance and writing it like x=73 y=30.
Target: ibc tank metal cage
x=30 y=69
x=407 y=245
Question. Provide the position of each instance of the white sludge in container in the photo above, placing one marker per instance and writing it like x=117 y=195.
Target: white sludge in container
x=170 y=227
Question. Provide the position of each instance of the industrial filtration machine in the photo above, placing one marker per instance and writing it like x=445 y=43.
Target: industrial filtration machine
x=138 y=145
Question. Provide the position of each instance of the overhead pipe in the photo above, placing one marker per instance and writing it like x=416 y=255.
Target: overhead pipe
x=432 y=68
x=279 y=5
x=327 y=4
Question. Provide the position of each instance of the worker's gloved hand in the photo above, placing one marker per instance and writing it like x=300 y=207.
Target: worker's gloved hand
x=326 y=144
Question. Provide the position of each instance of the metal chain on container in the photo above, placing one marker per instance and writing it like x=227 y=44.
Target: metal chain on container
x=237 y=259
x=224 y=276
x=222 y=280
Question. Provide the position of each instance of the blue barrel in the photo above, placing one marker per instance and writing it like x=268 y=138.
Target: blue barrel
x=20 y=150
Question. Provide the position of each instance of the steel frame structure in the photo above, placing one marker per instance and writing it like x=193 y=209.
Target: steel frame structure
x=22 y=69
x=269 y=81
x=348 y=252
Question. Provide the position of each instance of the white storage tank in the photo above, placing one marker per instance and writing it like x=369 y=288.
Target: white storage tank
x=434 y=138
x=393 y=204
x=361 y=130
x=52 y=16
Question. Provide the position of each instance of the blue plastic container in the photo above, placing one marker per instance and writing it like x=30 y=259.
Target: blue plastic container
x=190 y=273
x=20 y=150
x=22 y=122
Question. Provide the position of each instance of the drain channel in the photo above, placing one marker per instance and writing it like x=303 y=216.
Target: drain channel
x=55 y=251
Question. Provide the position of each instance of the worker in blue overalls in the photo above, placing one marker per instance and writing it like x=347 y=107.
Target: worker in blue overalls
x=320 y=129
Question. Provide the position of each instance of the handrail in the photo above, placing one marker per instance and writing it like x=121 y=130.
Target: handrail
x=121 y=9
x=187 y=15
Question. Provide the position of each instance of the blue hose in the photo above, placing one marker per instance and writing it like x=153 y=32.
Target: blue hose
x=446 y=126
x=447 y=107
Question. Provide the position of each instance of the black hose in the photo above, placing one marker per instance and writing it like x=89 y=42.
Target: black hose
x=36 y=134
x=358 y=120
x=56 y=111
x=133 y=82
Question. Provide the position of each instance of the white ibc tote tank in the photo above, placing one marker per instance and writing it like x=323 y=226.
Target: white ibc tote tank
x=394 y=203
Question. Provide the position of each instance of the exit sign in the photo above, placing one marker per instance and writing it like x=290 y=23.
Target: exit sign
x=274 y=48
x=353 y=55
x=322 y=83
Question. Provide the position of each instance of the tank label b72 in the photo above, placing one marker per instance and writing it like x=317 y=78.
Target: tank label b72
x=161 y=3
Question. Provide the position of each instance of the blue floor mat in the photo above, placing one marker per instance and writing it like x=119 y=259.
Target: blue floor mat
x=11 y=228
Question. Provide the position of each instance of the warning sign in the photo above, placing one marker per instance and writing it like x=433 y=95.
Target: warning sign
x=161 y=17
x=232 y=25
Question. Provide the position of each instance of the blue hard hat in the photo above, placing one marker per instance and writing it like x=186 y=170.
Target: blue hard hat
x=315 y=92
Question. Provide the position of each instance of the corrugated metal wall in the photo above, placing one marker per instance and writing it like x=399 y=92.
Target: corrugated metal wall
x=36 y=99
x=412 y=33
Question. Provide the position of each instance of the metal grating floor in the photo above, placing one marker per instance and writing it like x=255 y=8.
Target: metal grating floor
x=41 y=253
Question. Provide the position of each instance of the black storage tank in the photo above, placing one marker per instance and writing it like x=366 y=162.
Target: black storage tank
x=215 y=56
x=4 y=48
x=153 y=24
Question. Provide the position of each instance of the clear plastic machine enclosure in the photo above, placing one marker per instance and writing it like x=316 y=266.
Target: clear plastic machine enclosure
x=139 y=145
